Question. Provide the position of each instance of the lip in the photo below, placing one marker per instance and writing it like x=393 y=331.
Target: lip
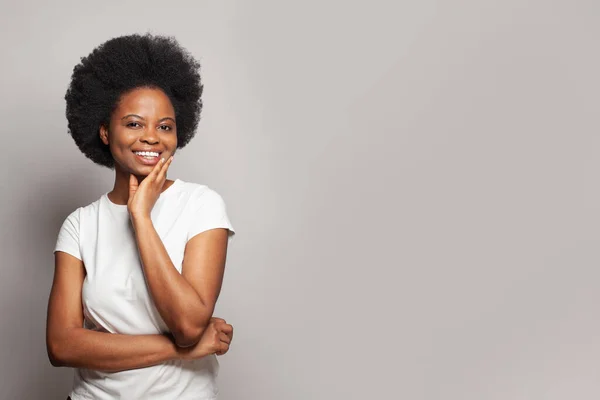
x=148 y=161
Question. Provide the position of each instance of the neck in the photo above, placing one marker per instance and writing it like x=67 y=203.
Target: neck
x=120 y=191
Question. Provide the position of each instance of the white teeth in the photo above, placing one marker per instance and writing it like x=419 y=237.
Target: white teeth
x=147 y=153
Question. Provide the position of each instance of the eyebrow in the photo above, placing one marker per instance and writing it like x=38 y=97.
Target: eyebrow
x=137 y=116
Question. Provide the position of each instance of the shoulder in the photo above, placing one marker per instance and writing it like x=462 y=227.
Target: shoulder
x=191 y=187
x=90 y=209
x=199 y=193
x=76 y=215
x=205 y=209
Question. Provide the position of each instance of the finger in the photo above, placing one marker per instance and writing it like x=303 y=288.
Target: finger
x=226 y=328
x=132 y=180
x=133 y=184
x=224 y=338
x=216 y=319
x=167 y=164
x=223 y=347
x=156 y=169
x=223 y=327
x=226 y=331
x=162 y=174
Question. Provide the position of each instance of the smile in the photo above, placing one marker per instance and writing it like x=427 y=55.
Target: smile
x=147 y=157
x=146 y=154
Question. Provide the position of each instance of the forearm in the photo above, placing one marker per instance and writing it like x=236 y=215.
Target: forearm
x=84 y=348
x=176 y=300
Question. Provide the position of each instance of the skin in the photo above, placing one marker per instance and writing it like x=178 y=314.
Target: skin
x=185 y=301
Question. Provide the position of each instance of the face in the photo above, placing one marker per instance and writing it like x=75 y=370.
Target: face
x=144 y=121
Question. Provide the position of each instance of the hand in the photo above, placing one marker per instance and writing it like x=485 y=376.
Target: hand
x=143 y=196
x=215 y=339
x=226 y=329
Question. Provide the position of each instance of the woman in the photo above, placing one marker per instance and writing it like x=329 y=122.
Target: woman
x=138 y=271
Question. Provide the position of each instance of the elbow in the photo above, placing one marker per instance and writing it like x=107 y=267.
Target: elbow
x=59 y=346
x=55 y=353
x=188 y=331
x=187 y=338
x=55 y=362
x=188 y=335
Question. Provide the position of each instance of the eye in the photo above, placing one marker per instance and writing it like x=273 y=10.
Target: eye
x=129 y=124
x=166 y=126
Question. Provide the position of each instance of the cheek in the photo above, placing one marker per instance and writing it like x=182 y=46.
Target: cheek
x=120 y=152
x=172 y=144
x=117 y=150
x=117 y=155
x=120 y=142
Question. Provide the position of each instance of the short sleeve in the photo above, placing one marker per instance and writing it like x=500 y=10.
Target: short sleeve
x=68 y=236
x=208 y=211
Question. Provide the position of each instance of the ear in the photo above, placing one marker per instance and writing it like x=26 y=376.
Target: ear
x=104 y=134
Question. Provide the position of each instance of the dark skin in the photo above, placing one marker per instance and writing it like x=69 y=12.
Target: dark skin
x=185 y=300
x=145 y=121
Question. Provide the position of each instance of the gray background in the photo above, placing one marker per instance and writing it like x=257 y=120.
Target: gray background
x=414 y=185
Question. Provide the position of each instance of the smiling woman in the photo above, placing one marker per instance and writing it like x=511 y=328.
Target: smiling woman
x=138 y=271
x=137 y=140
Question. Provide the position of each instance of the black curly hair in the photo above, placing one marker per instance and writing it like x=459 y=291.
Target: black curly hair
x=120 y=65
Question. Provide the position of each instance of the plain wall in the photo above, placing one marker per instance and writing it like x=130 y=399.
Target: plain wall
x=414 y=186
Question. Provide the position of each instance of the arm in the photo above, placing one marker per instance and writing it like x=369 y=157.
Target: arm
x=70 y=345
x=185 y=301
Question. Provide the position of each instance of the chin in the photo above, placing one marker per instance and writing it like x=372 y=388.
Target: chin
x=139 y=170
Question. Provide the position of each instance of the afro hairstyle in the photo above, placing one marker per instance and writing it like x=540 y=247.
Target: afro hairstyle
x=120 y=65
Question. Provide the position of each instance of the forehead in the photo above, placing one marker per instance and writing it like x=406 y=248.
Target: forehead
x=145 y=102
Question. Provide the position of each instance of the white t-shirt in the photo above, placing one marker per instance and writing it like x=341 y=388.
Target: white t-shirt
x=115 y=296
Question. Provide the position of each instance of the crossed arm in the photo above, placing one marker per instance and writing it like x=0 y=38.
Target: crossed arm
x=69 y=344
x=185 y=300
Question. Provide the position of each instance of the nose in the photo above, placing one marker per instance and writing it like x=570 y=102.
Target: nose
x=149 y=136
